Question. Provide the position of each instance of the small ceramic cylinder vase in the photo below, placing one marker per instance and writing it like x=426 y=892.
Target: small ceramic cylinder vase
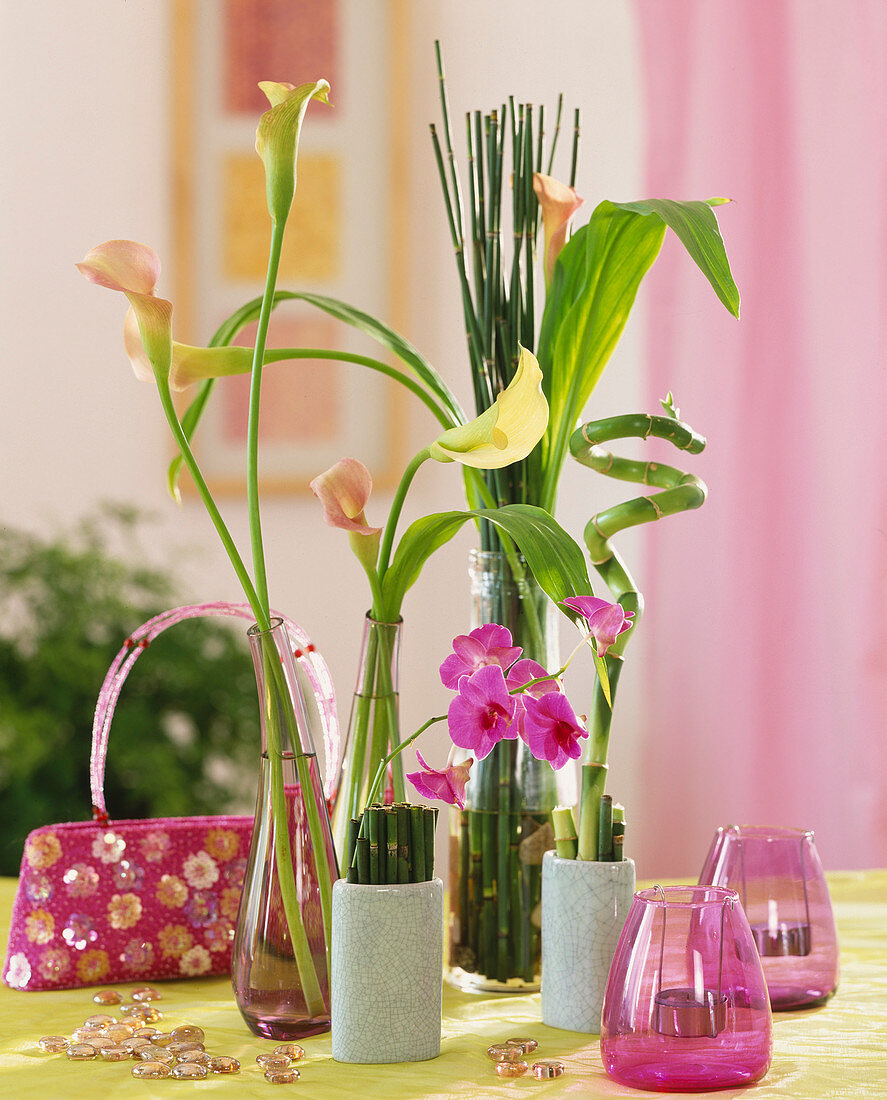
x=584 y=906
x=386 y=971
x=780 y=882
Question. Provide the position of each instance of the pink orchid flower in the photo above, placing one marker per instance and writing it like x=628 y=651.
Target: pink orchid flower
x=558 y=204
x=520 y=673
x=551 y=729
x=606 y=621
x=490 y=644
x=481 y=714
x=446 y=786
x=343 y=490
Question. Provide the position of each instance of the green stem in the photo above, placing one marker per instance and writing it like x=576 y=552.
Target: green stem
x=252 y=450
x=393 y=517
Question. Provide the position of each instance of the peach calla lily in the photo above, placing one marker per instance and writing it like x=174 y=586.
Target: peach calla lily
x=558 y=204
x=507 y=431
x=133 y=269
x=343 y=490
x=277 y=139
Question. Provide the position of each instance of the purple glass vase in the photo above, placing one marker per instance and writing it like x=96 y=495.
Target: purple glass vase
x=686 y=1007
x=780 y=882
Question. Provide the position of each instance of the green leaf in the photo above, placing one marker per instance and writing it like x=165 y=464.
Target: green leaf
x=696 y=226
x=555 y=559
x=596 y=279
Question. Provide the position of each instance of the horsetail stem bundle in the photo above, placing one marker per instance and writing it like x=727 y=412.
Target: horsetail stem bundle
x=392 y=844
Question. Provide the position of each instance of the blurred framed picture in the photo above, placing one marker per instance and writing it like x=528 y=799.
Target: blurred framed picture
x=344 y=238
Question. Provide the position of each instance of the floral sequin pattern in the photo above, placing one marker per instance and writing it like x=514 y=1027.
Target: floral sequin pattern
x=124 y=910
x=81 y=880
x=54 y=964
x=79 y=931
x=219 y=935
x=195 y=961
x=222 y=844
x=171 y=892
x=138 y=954
x=154 y=845
x=109 y=847
x=39 y=926
x=127 y=875
x=174 y=940
x=201 y=908
x=236 y=872
x=201 y=870
x=42 y=851
x=93 y=966
x=39 y=888
x=18 y=973
x=229 y=902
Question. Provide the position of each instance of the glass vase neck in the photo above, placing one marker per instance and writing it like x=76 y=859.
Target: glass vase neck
x=281 y=699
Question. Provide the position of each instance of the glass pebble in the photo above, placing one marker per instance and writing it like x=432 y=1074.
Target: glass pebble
x=511 y=1069
x=161 y=1039
x=189 y=1071
x=99 y=1021
x=117 y=1032
x=135 y=1043
x=80 y=1052
x=545 y=1070
x=224 y=1064
x=150 y=1069
x=188 y=1033
x=502 y=1052
x=153 y=1053
x=107 y=997
x=282 y=1076
x=146 y=1012
x=183 y=1048
x=290 y=1050
x=53 y=1044
x=84 y=1034
x=198 y=1056
x=115 y=1054
x=526 y=1045
x=274 y=1062
x=146 y=1033
x=145 y=993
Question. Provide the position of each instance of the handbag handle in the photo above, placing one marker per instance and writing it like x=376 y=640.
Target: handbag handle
x=308 y=660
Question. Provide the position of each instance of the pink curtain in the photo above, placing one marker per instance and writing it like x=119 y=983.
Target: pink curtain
x=767 y=608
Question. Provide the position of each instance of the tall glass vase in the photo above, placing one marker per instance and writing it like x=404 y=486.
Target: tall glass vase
x=373 y=729
x=280 y=962
x=497 y=842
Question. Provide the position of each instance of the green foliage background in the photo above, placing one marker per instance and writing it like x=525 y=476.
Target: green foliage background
x=185 y=734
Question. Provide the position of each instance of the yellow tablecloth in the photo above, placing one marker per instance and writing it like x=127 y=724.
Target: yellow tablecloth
x=836 y=1051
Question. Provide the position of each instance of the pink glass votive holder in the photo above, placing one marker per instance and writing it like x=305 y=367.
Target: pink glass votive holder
x=779 y=878
x=686 y=1007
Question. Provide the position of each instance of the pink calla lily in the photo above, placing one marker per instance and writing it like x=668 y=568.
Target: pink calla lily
x=133 y=269
x=446 y=786
x=343 y=490
x=606 y=621
x=558 y=204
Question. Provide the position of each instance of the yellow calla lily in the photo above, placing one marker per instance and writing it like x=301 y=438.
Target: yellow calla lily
x=277 y=139
x=507 y=431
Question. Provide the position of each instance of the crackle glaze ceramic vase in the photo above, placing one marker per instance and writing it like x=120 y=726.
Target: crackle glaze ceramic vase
x=386 y=971
x=584 y=906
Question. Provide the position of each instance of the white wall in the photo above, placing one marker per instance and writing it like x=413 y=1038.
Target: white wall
x=84 y=114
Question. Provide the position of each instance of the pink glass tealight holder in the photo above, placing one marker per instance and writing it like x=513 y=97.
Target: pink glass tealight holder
x=686 y=1007
x=779 y=878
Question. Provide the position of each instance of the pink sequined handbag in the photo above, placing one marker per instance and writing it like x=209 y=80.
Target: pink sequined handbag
x=107 y=901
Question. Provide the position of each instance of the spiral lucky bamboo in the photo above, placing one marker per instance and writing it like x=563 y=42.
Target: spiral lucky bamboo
x=678 y=492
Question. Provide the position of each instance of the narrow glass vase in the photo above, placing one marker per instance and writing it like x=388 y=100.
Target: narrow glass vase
x=280 y=962
x=497 y=842
x=373 y=729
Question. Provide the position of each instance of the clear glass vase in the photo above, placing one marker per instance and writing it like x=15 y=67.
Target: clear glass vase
x=280 y=962
x=373 y=728
x=497 y=842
